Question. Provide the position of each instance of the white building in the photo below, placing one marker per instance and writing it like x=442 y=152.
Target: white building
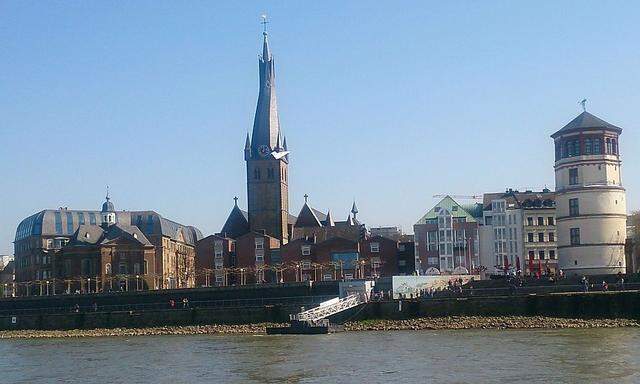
x=591 y=200
x=518 y=232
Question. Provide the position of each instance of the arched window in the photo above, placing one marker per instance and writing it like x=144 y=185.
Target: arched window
x=107 y=269
x=614 y=146
x=609 y=148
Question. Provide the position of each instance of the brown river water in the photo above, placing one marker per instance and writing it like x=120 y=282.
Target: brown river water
x=462 y=356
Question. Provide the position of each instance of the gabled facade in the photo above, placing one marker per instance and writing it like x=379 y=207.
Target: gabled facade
x=446 y=239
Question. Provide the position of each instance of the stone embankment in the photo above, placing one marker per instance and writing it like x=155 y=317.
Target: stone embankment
x=425 y=323
x=479 y=322
x=154 y=331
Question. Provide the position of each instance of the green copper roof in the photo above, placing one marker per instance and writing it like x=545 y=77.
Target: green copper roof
x=450 y=205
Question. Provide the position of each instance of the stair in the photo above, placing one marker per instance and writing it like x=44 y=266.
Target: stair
x=334 y=306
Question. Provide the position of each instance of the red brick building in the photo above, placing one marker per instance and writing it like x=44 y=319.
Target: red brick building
x=256 y=254
x=215 y=260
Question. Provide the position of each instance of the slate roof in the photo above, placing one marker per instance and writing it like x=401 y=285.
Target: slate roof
x=308 y=217
x=585 y=121
x=87 y=235
x=44 y=223
x=237 y=223
x=524 y=200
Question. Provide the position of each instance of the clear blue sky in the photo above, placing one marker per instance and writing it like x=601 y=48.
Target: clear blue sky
x=389 y=103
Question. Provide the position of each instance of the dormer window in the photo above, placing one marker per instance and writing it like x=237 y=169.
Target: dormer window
x=306 y=250
x=375 y=247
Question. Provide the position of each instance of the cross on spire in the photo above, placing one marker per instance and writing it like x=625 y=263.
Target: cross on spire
x=306 y=197
x=235 y=200
x=107 y=193
x=264 y=21
x=583 y=103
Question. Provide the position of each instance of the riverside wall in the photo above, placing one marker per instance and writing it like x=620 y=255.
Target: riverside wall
x=595 y=305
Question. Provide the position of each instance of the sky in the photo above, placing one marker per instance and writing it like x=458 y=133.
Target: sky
x=387 y=103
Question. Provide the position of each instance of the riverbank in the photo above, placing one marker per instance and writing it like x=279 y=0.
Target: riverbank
x=425 y=323
x=486 y=322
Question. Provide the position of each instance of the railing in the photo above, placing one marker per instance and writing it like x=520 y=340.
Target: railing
x=178 y=304
x=322 y=312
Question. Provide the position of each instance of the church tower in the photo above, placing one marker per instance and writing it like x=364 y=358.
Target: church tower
x=590 y=198
x=267 y=159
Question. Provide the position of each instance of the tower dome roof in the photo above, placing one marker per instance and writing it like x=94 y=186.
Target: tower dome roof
x=586 y=121
x=107 y=206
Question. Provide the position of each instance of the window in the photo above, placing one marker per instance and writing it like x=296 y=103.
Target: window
x=259 y=243
x=92 y=218
x=58 y=219
x=575 y=236
x=614 y=146
x=69 y=223
x=270 y=173
x=149 y=223
x=552 y=237
x=259 y=256
x=574 y=208
x=551 y=220
x=541 y=237
x=81 y=218
x=576 y=148
x=122 y=269
x=588 y=146
x=145 y=267
x=306 y=250
x=256 y=173
x=530 y=237
x=597 y=146
x=609 y=147
x=552 y=254
x=541 y=221
x=306 y=265
x=541 y=255
x=530 y=221
x=573 y=176
x=375 y=247
x=136 y=268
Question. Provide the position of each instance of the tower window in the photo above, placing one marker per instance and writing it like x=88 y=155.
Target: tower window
x=597 y=146
x=609 y=147
x=576 y=148
x=256 y=173
x=574 y=207
x=270 y=173
x=588 y=146
x=614 y=146
x=573 y=176
x=575 y=236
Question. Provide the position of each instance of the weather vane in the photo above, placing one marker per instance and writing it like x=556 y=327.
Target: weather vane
x=583 y=103
x=264 y=22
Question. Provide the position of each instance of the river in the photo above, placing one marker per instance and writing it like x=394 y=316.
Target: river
x=479 y=356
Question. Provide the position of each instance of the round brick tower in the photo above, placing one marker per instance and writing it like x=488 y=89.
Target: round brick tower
x=591 y=201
